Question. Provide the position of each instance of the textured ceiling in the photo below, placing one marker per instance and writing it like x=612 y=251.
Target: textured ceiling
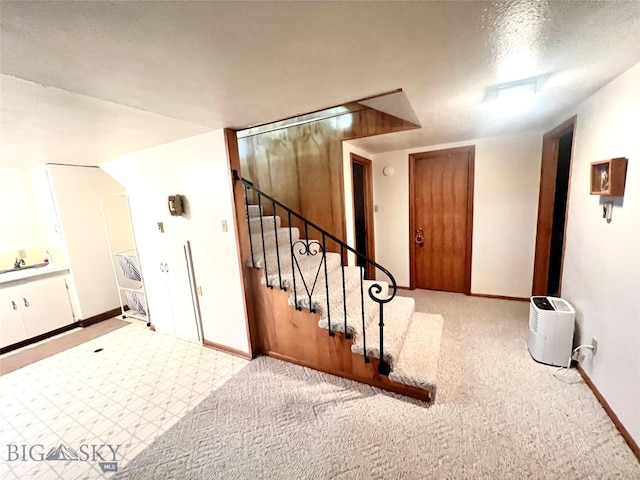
x=85 y=82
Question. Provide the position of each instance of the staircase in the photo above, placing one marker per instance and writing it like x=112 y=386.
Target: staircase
x=362 y=318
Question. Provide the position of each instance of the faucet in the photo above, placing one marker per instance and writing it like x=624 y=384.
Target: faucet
x=19 y=263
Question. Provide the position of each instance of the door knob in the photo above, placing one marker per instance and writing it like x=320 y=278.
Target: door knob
x=420 y=237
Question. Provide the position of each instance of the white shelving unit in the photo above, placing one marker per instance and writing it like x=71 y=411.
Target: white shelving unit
x=126 y=270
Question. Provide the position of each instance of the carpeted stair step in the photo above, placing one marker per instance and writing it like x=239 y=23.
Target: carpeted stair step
x=301 y=251
x=265 y=224
x=352 y=276
x=284 y=245
x=311 y=268
x=300 y=248
x=254 y=210
x=354 y=301
x=397 y=316
x=417 y=362
x=306 y=267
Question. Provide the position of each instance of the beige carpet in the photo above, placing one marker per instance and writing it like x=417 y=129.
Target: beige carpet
x=498 y=415
x=46 y=348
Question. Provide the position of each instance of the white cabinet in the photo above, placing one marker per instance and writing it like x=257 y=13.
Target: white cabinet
x=180 y=292
x=34 y=308
x=11 y=324
x=45 y=306
x=170 y=296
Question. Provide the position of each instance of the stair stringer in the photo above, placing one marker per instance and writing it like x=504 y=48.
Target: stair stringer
x=294 y=336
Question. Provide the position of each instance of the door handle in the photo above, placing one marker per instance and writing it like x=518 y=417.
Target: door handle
x=26 y=304
x=166 y=267
x=13 y=304
x=420 y=237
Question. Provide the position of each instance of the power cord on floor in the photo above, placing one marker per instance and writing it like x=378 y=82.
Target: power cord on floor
x=571 y=358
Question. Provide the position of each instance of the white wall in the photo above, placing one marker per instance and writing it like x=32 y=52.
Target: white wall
x=507 y=177
x=20 y=224
x=601 y=275
x=77 y=192
x=198 y=168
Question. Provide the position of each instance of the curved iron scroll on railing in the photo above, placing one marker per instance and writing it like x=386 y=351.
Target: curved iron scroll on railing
x=301 y=248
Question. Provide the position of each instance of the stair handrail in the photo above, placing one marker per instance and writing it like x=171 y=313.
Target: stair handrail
x=374 y=289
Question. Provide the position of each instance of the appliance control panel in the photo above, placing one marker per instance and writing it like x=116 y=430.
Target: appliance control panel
x=542 y=303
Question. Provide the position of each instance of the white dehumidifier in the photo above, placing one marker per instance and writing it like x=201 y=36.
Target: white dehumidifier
x=551 y=323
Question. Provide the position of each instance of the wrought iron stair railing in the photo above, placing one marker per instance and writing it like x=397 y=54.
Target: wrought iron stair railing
x=311 y=248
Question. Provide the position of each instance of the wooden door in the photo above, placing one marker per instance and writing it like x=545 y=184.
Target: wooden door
x=441 y=219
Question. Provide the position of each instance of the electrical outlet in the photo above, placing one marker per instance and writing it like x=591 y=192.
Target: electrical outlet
x=594 y=344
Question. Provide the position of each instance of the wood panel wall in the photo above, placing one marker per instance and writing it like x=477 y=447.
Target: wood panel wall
x=302 y=166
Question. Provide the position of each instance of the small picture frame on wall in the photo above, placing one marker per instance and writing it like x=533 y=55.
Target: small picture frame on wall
x=608 y=177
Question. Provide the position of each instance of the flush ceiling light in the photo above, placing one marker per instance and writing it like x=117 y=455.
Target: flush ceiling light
x=512 y=98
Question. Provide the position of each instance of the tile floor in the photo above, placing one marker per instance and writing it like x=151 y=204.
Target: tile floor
x=129 y=393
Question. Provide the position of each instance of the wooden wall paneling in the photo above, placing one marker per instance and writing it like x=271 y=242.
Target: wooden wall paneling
x=336 y=177
x=283 y=174
x=315 y=179
x=248 y=165
x=302 y=165
x=318 y=115
x=244 y=254
x=369 y=122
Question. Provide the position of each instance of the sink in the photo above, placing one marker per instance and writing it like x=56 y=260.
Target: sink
x=24 y=267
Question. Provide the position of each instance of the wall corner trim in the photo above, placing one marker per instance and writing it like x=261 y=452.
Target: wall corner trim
x=225 y=349
x=614 y=418
x=500 y=297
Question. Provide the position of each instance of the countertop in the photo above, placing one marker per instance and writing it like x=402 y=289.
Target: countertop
x=31 y=273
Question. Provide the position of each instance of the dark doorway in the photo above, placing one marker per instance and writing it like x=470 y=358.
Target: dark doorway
x=552 y=209
x=363 y=211
x=358 y=211
x=559 y=213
